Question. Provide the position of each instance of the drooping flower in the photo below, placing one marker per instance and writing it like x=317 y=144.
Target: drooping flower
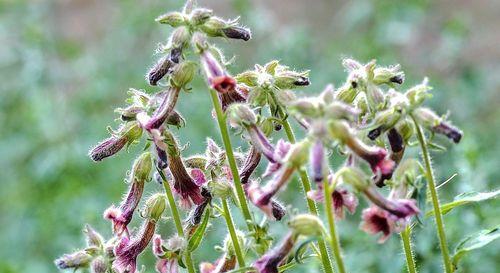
x=122 y=215
x=342 y=200
x=166 y=253
x=217 y=77
x=376 y=220
x=125 y=135
x=272 y=209
x=280 y=153
x=251 y=162
x=270 y=261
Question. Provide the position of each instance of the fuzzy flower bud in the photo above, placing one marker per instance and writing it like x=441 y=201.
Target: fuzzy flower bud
x=419 y=93
x=174 y=19
x=74 y=260
x=216 y=27
x=99 y=265
x=317 y=160
x=241 y=115
x=387 y=75
x=183 y=74
x=200 y=16
x=384 y=120
x=433 y=122
x=306 y=225
x=288 y=79
x=180 y=38
x=154 y=206
x=126 y=135
x=93 y=238
x=249 y=78
x=141 y=170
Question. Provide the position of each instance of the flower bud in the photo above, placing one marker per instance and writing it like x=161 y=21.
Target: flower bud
x=387 y=75
x=288 y=79
x=216 y=27
x=430 y=120
x=92 y=236
x=405 y=129
x=298 y=154
x=417 y=94
x=346 y=93
x=220 y=188
x=160 y=69
x=384 y=120
x=200 y=16
x=174 y=19
x=249 y=78
x=228 y=243
x=354 y=177
x=183 y=74
x=141 y=169
x=241 y=115
x=74 y=260
x=318 y=161
x=351 y=64
x=154 y=206
x=339 y=110
x=126 y=135
x=305 y=107
x=180 y=37
x=99 y=265
x=175 y=119
x=307 y=225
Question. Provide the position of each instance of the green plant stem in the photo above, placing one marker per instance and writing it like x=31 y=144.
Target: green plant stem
x=311 y=205
x=435 y=199
x=177 y=219
x=221 y=120
x=406 y=239
x=334 y=241
x=232 y=233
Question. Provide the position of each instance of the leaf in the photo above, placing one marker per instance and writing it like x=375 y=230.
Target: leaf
x=197 y=237
x=478 y=240
x=302 y=248
x=465 y=198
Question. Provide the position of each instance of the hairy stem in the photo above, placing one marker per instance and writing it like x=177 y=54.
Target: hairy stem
x=177 y=219
x=311 y=205
x=232 y=233
x=406 y=239
x=334 y=241
x=435 y=199
x=221 y=120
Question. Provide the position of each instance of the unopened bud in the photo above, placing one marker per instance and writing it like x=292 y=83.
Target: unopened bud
x=126 y=135
x=417 y=94
x=340 y=110
x=220 y=188
x=387 y=75
x=346 y=93
x=141 y=170
x=154 y=206
x=93 y=238
x=175 y=119
x=216 y=27
x=249 y=78
x=228 y=243
x=180 y=37
x=307 y=225
x=99 y=265
x=405 y=129
x=351 y=64
x=354 y=176
x=305 y=107
x=240 y=115
x=74 y=260
x=200 y=16
x=298 y=154
x=183 y=74
x=288 y=79
x=384 y=120
x=174 y=19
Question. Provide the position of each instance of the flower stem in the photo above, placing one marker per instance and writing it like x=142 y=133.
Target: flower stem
x=406 y=239
x=435 y=199
x=232 y=233
x=177 y=219
x=311 y=205
x=221 y=120
x=327 y=192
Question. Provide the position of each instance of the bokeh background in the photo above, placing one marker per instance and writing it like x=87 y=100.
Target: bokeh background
x=66 y=64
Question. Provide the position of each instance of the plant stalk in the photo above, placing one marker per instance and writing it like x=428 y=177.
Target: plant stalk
x=406 y=239
x=435 y=199
x=221 y=120
x=311 y=205
x=334 y=241
x=177 y=219
x=232 y=233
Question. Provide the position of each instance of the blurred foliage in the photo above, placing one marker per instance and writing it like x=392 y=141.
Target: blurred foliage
x=65 y=65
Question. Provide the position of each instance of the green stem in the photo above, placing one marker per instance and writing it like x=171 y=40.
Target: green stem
x=177 y=219
x=406 y=238
x=335 y=244
x=232 y=233
x=435 y=199
x=311 y=205
x=221 y=120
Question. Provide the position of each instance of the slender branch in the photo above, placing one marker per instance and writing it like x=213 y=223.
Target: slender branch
x=406 y=239
x=311 y=205
x=334 y=241
x=435 y=199
x=221 y=120
x=232 y=233
x=177 y=218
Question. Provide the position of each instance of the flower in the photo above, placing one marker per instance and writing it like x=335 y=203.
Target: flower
x=217 y=77
x=317 y=161
x=251 y=162
x=126 y=135
x=270 y=261
x=280 y=152
x=341 y=199
x=224 y=264
x=272 y=209
x=398 y=208
x=376 y=220
x=166 y=261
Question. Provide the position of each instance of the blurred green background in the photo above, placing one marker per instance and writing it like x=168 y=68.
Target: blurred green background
x=66 y=64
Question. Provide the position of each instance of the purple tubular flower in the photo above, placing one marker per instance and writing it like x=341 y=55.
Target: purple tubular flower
x=261 y=143
x=398 y=208
x=282 y=149
x=449 y=131
x=196 y=214
x=397 y=151
x=278 y=182
x=164 y=66
x=217 y=77
x=164 y=110
x=376 y=157
x=270 y=261
x=122 y=215
x=235 y=32
x=107 y=148
x=317 y=161
x=230 y=97
x=273 y=209
x=127 y=250
x=251 y=162
x=163 y=265
x=341 y=199
x=376 y=220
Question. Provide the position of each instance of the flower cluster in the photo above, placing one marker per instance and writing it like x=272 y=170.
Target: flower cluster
x=368 y=122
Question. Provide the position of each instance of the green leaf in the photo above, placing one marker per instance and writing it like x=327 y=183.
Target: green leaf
x=465 y=198
x=302 y=248
x=195 y=240
x=475 y=241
